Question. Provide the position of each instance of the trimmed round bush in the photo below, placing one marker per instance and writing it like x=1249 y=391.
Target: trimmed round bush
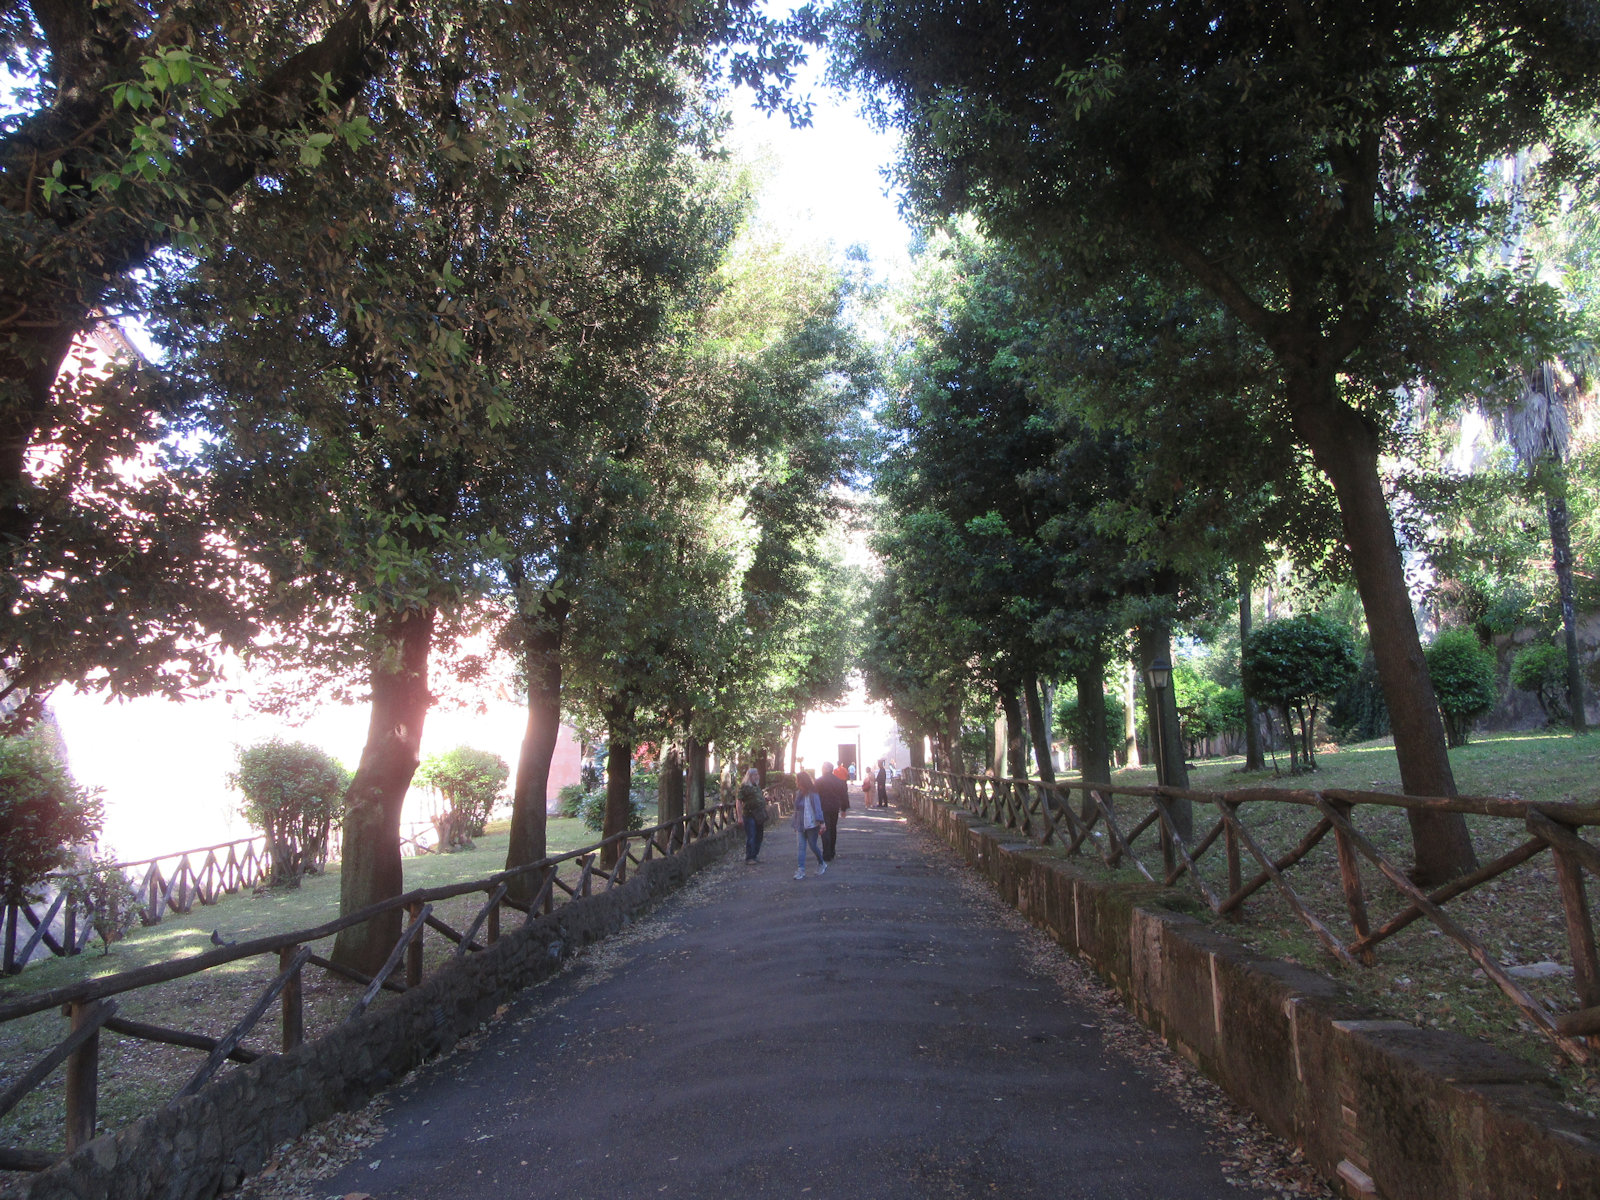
x=1295 y=664
x=292 y=792
x=1462 y=670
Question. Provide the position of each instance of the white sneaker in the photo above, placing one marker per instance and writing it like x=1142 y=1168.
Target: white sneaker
x=822 y=870
x=800 y=874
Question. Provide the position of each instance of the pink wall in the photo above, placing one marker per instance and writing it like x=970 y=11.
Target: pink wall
x=565 y=764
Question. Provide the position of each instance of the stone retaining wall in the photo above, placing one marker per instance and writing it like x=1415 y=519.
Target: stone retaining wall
x=1378 y=1106
x=207 y=1143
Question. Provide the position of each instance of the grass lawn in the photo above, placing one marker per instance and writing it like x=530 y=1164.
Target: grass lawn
x=1420 y=974
x=1543 y=765
x=137 y=1076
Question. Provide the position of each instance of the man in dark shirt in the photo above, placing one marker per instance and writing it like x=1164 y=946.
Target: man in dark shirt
x=835 y=796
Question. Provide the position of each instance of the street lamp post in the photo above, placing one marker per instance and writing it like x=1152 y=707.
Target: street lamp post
x=1159 y=676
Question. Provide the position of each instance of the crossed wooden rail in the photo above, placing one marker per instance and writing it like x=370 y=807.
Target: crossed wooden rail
x=90 y=1005
x=167 y=883
x=1045 y=813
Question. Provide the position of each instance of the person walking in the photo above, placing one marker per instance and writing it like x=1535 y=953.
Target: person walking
x=882 y=782
x=835 y=795
x=807 y=817
x=752 y=813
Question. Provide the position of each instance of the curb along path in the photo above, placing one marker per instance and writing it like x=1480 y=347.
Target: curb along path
x=874 y=1032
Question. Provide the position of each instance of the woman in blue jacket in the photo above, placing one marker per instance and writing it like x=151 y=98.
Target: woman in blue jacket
x=807 y=820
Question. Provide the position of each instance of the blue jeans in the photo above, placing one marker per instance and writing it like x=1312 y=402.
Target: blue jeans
x=754 y=831
x=809 y=838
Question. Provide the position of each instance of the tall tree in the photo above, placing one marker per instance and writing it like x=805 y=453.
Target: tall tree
x=349 y=407
x=632 y=252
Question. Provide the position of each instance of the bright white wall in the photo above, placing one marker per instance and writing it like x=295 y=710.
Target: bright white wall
x=164 y=766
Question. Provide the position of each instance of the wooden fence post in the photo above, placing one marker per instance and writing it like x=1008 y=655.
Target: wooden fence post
x=11 y=967
x=294 y=1027
x=1350 y=879
x=491 y=932
x=1235 y=874
x=83 y=1079
x=1580 y=927
x=414 y=951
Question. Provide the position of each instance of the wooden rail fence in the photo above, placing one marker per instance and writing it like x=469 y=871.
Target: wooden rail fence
x=167 y=883
x=1045 y=813
x=90 y=1005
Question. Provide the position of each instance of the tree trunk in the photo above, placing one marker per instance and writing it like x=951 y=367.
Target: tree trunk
x=794 y=744
x=1038 y=728
x=1096 y=747
x=1130 y=718
x=697 y=752
x=1016 y=747
x=371 y=870
x=670 y=790
x=1293 y=738
x=530 y=798
x=1155 y=641
x=915 y=751
x=1345 y=447
x=1561 y=543
x=952 y=740
x=1253 y=758
x=619 y=789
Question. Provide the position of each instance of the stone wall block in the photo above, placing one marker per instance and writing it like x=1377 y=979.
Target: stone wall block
x=1187 y=1015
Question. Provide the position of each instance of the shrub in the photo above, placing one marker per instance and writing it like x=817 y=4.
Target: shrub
x=592 y=810
x=43 y=811
x=467 y=783
x=292 y=791
x=1295 y=664
x=1359 y=712
x=1205 y=708
x=1225 y=711
x=106 y=896
x=1462 y=671
x=568 y=799
x=1542 y=669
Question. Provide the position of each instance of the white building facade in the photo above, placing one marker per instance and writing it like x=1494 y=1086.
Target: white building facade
x=857 y=733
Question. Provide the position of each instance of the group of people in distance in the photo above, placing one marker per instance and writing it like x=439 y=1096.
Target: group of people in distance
x=817 y=805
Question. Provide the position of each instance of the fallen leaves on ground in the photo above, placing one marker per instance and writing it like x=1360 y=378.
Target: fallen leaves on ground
x=1252 y=1156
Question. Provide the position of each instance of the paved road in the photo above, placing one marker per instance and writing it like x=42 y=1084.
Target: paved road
x=869 y=1033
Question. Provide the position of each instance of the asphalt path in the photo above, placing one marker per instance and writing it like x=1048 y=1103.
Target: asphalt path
x=872 y=1032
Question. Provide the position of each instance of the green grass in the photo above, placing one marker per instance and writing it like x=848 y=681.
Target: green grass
x=1420 y=974
x=1543 y=766
x=138 y=1076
